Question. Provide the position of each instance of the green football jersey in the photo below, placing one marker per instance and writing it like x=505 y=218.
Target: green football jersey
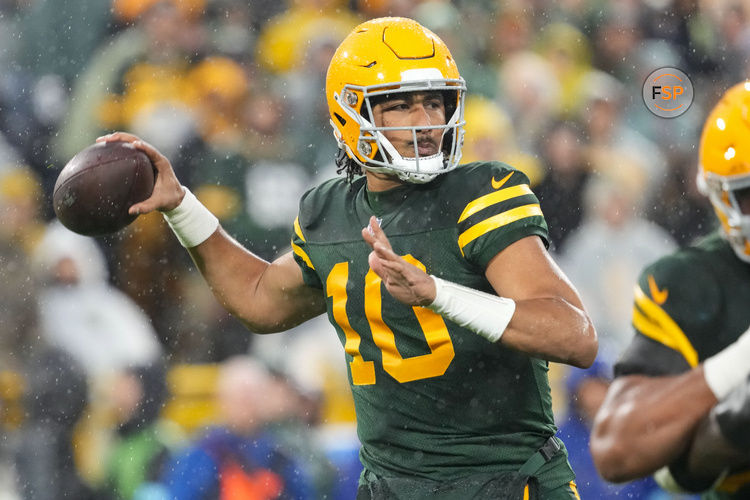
x=433 y=399
x=688 y=306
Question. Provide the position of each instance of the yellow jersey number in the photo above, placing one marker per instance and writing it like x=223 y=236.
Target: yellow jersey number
x=400 y=368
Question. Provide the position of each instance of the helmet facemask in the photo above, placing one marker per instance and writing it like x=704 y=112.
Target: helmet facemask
x=725 y=194
x=379 y=153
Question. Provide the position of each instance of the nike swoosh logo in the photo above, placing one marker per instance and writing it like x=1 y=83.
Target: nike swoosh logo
x=499 y=184
x=659 y=296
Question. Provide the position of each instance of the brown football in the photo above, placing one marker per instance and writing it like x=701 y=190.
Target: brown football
x=95 y=189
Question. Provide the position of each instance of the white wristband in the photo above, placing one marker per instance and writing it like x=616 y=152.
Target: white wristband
x=483 y=313
x=191 y=221
x=666 y=480
x=729 y=367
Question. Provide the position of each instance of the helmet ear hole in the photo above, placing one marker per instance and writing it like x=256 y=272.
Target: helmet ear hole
x=340 y=118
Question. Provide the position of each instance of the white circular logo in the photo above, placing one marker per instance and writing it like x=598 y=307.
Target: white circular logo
x=668 y=92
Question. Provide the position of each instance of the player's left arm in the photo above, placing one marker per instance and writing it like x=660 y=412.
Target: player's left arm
x=536 y=311
x=550 y=321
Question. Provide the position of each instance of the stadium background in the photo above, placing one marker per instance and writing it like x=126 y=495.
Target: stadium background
x=232 y=92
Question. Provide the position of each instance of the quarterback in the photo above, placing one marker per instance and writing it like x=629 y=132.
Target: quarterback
x=680 y=404
x=436 y=278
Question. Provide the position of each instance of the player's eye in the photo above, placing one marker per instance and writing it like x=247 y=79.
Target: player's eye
x=396 y=106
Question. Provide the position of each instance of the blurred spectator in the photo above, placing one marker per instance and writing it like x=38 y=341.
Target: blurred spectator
x=607 y=132
x=568 y=52
x=605 y=254
x=489 y=136
x=240 y=457
x=19 y=336
x=450 y=24
x=57 y=38
x=294 y=414
x=56 y=397
x=205 y=332
x=530 y=91
x=309 y=357
x=145 y=265
x=19 y=233
x=52 y=43
x=81 y=124
x=129 y=10
x=233 y=27
x=284 y=39
x=615 y=37
x=221 y=87
x=561 y=190
x=512 y=32
x=154 y=96
x=258 y=175
x=144 y=441
x=681 y=208
x=139 y=79
x=307 y=106
x=21 y=200
x=98 y=325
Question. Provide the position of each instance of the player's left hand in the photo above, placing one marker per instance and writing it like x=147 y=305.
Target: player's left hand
x=406 y=282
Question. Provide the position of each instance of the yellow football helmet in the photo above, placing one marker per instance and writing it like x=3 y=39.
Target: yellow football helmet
x=384 y=56
x=724 y=164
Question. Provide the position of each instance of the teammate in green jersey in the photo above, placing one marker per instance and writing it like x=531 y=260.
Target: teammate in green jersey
x=436 y=279
x=692 y=343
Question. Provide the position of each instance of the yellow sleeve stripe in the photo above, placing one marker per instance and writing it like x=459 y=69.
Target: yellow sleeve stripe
x=297 y=229
x=496 y=221
x=654 y=322
x=298 y=250
x=490 y=199
x=734 y=482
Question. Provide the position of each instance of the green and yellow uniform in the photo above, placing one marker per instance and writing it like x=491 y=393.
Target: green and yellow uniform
x=688 y=306
x=433 y=400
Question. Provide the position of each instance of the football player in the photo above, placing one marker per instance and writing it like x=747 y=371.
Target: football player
x=691 y=347
x=449 y=321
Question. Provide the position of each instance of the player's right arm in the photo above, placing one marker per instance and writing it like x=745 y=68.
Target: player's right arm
x=265 y=296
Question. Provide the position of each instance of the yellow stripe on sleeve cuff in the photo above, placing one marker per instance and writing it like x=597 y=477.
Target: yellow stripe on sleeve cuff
x=301 y=253
x=655 y=323
x=496 y=221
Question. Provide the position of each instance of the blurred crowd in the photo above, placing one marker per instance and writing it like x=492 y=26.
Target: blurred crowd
x=120 y=375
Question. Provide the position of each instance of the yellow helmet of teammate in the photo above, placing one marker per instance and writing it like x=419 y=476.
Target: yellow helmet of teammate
x=385 y=56
x=724 y=165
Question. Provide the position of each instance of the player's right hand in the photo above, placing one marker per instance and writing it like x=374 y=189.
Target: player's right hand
x=168 y=192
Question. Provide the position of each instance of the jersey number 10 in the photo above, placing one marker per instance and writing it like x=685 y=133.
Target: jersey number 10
x=400 y=368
